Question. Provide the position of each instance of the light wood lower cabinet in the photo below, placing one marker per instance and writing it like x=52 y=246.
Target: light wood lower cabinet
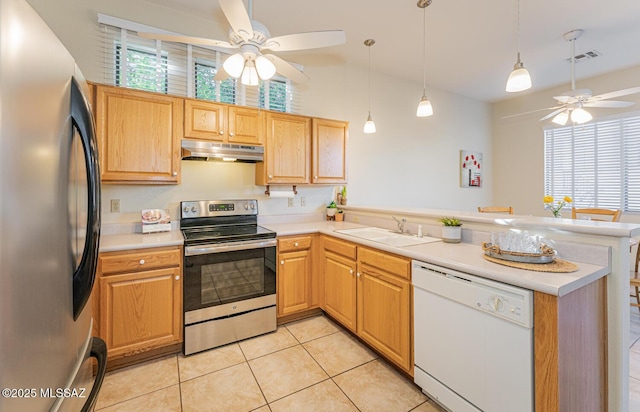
x=140 y=300
x=384 y=304
x=294 y=274
x=369 y=292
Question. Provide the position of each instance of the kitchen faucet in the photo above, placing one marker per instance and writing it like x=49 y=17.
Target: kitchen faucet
x=400 y=223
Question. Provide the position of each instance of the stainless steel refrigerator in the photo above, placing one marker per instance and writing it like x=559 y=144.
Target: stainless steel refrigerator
x=50 y=222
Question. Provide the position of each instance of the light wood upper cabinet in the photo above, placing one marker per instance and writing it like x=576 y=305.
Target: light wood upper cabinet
x=139 y=136
x=329 y=151
x=140 y=300
x=222 y=123
x=287 y=150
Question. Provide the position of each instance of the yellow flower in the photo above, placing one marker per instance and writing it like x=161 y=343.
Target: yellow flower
x=548 y=199
x=567 y=199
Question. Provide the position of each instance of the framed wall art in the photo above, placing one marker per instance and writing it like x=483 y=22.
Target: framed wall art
x=470 y=169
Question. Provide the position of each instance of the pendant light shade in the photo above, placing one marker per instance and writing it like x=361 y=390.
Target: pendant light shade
x=369 y=125
x=519 y=79
x=425 y=108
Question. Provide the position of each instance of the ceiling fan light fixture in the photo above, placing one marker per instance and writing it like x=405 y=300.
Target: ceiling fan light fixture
x=249 y=74
x=519 y=79
x=369 y=125
x=234 y=65
x=425 y=108
x=561 y=118
x=266 y=69
x=579 y=115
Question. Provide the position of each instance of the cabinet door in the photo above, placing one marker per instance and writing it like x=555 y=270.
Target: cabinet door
x=139 y=135
x=329 y=150
x=205 y=120
x=141 y=311
x=340 y=289
x=293 y=282
x=287 y=150
x=384 y=314
x=245 y=125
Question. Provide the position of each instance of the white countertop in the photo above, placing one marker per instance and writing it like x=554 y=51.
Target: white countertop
x=464 y=257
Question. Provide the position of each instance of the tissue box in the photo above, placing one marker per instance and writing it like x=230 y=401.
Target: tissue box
x=155 y=220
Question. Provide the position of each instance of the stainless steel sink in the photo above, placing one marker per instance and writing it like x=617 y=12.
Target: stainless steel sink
x=387 y=237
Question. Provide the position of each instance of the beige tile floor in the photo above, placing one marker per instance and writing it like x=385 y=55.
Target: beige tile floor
x=309 y=365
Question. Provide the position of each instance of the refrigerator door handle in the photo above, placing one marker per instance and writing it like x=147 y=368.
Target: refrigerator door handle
x=98 y=351
x=84 y=275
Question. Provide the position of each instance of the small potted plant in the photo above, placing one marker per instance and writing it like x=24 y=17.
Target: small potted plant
x=339 y=215
x=331 y=210
x=452 y=230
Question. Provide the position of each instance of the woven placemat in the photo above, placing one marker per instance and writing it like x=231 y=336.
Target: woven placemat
x=558 y=265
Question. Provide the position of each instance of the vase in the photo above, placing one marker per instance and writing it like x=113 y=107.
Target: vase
x=339 y=217
x=452 y=234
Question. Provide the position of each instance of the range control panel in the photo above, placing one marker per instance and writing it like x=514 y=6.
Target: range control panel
x=215 y=208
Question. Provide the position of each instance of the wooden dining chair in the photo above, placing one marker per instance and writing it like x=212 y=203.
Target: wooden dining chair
x=495 y=209
x=597 y=214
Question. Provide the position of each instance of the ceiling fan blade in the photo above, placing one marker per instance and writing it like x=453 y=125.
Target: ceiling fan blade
x=221 y=75
x=552 y=114
x=188 y=40
x=287 y=69
x=532 y=111
x=303 y=41
x=563 y=99
x=238 y=17
x=611 y=104
x=619 y=93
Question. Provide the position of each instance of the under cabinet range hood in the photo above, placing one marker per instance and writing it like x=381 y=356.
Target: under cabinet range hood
x=202 y=150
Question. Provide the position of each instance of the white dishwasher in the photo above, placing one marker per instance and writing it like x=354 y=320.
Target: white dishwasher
x=473 y=341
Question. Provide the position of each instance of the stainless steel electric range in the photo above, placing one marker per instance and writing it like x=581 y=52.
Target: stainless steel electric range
x=229 y=273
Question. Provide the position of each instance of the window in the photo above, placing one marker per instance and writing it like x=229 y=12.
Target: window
x=207 y=87
x=182 y=70
x=144 y=70
x=595 y=163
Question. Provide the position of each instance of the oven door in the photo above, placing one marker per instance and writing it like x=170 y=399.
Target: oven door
x=230 y=276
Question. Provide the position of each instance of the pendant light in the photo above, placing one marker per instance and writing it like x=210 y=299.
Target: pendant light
x=424 y=107
x=369 y=126
x=519 y=79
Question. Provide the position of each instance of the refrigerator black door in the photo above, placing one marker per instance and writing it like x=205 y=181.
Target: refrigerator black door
x=85 y=264
x=98 y=351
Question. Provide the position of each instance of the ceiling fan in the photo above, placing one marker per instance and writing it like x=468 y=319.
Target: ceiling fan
x=249 y=38
x=571 y=104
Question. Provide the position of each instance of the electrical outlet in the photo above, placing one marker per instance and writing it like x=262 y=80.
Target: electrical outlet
x=115 y=205
x=303 y=201
x=356 y=219
x=290 y=202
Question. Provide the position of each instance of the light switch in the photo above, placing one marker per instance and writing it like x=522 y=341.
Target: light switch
x=115 y=205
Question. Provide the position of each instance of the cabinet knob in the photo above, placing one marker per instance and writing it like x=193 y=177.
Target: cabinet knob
x=351 y=271
x=142 y=261
x=177 y=277
x=221 y=132
x=175 y=173
x=315 y=177
x=231 y=134
x=295 y=244
x=358 y=274
x=282 y=262
x=270 y=176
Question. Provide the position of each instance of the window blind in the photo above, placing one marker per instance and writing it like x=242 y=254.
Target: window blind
x=128 y=60
x=596 y=163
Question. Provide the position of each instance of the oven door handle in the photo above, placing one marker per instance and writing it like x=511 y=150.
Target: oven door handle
x=228 y=247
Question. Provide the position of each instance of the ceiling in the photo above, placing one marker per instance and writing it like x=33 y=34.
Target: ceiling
x=471 y=45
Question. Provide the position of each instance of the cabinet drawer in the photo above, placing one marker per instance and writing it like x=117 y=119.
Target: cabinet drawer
x=141 y=259
x=396 y=265
x=294 y=243
x=341 y=247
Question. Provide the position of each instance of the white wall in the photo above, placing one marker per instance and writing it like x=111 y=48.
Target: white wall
x=518 y=144
x=409 y=162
